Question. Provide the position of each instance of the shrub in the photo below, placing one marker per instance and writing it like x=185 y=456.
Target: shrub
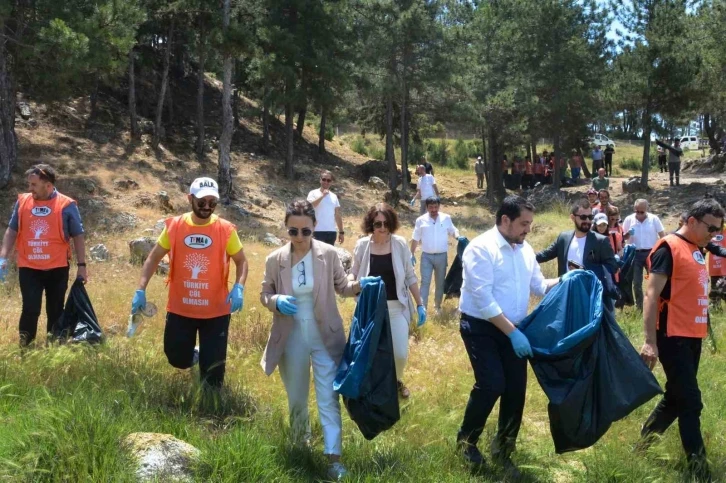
x=437 y=152
x=329 y=133
x=460 y=159
x=358 y=145
x=377 y=152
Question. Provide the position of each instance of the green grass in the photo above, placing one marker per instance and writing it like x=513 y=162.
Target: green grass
x=65 y=410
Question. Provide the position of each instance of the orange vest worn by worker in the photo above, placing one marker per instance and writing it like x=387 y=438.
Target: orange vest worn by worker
x=528 y=167
x=41 y=243
x=539 y=167
x=199 y=268
x=688 y=305
x=716 y=264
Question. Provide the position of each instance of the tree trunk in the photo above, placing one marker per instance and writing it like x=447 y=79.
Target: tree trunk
x=647 y=128
x=390 y=154
x=495 y=191
x=224 y=177
x=534 y=147
x=289 y=140
x=133 y=120
x=235 y=106
x=8 y=140
x=301 y=119
x=162 y=91
x=556 y=182
x=201 y=59
x=169 y=108
x=94 y=102
x=710 y=128
x=265 y=124
x=404 y=139
x=484 y=155
x=321 y=134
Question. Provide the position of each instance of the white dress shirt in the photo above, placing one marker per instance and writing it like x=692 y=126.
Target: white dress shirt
x=499 y=277
x=325 y=211
x=426 y=185
x=646 y=232
x=433 y=234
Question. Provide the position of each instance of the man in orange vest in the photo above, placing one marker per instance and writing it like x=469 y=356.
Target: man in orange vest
x=675 y=327
x=200 y=247
x=41 y=227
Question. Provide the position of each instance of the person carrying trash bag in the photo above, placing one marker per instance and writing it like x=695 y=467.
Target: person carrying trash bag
x=676 y=320
x=584 y=363
x=201 y=246
x=500 y=272
x=366 y=374
x=299 y=287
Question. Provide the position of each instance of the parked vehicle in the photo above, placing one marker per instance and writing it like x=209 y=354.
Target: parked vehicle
x=689 y=142
x=600 y=140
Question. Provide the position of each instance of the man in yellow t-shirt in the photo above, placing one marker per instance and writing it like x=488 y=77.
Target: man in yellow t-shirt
x=201 y=246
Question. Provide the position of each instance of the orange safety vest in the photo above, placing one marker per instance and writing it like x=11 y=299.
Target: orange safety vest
x=199 y=268
x=716 y=264
x=616 y=238
x=41 y=243
x=688 y=305
x=538 y=168
x=528 y=167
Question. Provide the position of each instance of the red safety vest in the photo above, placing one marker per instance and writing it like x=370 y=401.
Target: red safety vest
x=716 y=264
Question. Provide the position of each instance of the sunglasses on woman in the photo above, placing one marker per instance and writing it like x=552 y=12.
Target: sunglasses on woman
x=294 y=231
x=380 y=224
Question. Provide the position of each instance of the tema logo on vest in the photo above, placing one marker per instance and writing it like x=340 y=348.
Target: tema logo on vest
x=197 y=241
x=718 y=238
x=698 y=257
x=40 y=211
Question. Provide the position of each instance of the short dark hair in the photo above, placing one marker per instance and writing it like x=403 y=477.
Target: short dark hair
x=328 y=173
x=512 y=206
x=44 y=171
x=603 y=191
x=387 y=211
x=582 y=203
x=704 y=207
x=432 y=200
x=300 y=208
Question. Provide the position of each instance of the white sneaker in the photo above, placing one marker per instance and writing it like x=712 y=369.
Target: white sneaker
x=195 y=357
x=336 y=471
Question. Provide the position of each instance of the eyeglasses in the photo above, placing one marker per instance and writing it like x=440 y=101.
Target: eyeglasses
x=326 y=180
x=202 y=203
x=380 y=224
x=301 y=269
x=711 y=228
x=586 y=217
x=640 y=212
x=294 y=231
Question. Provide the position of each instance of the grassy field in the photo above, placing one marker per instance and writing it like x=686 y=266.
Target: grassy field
x=64 y=410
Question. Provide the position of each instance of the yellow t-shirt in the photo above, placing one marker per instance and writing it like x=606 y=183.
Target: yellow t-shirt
x=234 y=244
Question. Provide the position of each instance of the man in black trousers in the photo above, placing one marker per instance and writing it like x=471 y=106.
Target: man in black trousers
x=499 y=273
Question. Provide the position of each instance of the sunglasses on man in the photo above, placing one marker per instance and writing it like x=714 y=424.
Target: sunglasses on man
x=711 y=228
x=586 y=217
x=202 y=203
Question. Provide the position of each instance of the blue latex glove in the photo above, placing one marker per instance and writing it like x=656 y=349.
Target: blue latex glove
x=461 y=239
x=421 y=315
x=286 y=304
x=139 y=301
x=520 y=344
x=366 y=280
x=631 y=232
x=617 y=258
x=3 y=269
x=236 y=297
x=413 y=260
x=413 y=202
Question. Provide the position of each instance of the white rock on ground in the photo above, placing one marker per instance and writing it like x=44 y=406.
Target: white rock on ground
x=161 y=457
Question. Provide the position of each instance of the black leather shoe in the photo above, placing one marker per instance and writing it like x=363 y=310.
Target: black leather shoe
x=511 y=472
x=470 y=453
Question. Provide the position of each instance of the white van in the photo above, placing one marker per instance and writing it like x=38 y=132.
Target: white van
x=689 y=142
x=600 y=140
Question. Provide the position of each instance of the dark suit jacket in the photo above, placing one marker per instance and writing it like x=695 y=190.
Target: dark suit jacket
x=597 y=252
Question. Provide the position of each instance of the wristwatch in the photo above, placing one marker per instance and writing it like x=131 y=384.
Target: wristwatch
x=81 y=264
x=341 y=233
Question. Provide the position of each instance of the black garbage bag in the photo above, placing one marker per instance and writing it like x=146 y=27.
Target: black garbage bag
x=455 y=277
x=625 y=284
x=367 y=373
x=584 y=363
x=79 y=321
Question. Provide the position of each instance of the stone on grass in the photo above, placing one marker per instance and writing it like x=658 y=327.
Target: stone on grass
x=140 y=248
x=272 y=240
x=161 y=457
x=346 y=258
x=99 y=253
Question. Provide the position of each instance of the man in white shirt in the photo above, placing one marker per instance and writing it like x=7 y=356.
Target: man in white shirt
x=500 y=272
x=425 y=189
x=643 y=230
x=327 y=211
x=432 y=231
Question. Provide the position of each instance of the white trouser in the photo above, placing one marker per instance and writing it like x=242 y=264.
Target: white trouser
x=304 y=345
x=399 y=334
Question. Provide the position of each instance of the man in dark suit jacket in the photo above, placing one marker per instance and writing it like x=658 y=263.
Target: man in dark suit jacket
x=581 y=245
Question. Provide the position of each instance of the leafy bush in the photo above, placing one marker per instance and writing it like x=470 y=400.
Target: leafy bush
x=377 y=152
x=358 y=145
x=474 y=148
x=329 y=133
x=416 y=152
x=460 y=159
x=437 y=152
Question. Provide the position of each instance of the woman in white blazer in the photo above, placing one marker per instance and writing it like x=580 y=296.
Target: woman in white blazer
x=386 y=255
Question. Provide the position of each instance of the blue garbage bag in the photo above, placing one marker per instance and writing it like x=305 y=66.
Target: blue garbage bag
x=455 y=277
x=366 y=375
x=584 y=363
